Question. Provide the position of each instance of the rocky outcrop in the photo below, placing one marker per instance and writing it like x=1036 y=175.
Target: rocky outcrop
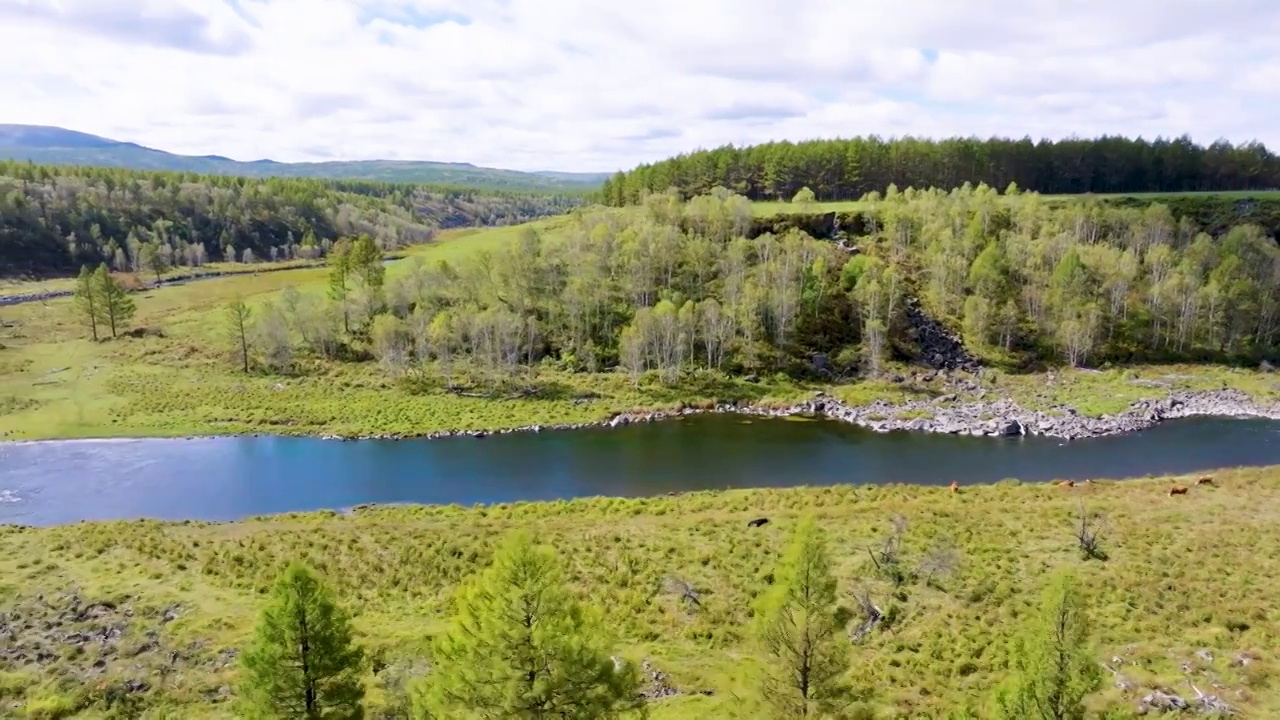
x=939 y=349
x=1003 y=418
x=946 y=414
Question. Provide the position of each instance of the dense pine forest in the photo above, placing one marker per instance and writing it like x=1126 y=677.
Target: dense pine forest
x=848 y=169
x=673 y=286
x=55 y=219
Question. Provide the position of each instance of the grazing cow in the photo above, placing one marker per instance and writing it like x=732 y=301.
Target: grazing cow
x=1177 y=490
x=1067 y=484
x=955 y=486
x=757 y=522
x=1206 y=480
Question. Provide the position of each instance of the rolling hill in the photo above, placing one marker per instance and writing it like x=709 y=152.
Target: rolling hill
x=58 y=146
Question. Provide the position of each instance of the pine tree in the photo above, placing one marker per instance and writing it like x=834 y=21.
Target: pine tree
x=115 y=307
x=807 y=656
x=302 y=662
x=88 y=298
x=366 y=262
x=1053 y=663
x=339 y=272
x=520 y=646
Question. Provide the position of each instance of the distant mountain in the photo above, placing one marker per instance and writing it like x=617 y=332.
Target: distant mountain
x=58 y=146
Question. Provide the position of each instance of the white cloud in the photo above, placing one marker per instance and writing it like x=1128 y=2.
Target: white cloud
x=591 y=85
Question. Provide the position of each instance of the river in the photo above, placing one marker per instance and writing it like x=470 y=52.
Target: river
x=45 y=483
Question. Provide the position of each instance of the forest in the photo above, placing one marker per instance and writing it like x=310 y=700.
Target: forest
x=55 y=219
x=674 y=286
x=845 y=169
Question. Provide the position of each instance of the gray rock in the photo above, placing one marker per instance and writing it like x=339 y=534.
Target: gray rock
x=1162 y=701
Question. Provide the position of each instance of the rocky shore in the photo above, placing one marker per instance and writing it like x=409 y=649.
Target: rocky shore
x=945 y=414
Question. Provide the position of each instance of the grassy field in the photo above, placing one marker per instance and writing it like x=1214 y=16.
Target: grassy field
x=1183 y=599
x=175 y=378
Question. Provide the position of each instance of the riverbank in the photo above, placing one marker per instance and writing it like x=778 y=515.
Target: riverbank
x=128 y=400
x=166 y=606
x=944 y=415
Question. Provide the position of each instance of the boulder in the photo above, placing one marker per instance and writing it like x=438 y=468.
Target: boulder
x=1009 y=428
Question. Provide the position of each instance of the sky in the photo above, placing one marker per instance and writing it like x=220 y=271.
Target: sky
x=601 y=85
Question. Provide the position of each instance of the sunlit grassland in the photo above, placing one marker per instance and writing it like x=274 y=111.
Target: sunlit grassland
x=766 y=208
x=1185 y=574
x=1111 y=391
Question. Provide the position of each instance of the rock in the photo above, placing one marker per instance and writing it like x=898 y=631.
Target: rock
x=170 y=613
x=1009 y=428
x=1204 y=655
x=939 y=349
x=1162 y=701
x=658 y=685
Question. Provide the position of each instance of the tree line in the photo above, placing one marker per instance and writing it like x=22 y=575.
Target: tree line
x=520 y=644
x=845 y=169
x=673 y=287
x=54 y=218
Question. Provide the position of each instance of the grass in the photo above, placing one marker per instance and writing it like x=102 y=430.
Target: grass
x=1108 y=392
x=766 y=208
x=1185 y=574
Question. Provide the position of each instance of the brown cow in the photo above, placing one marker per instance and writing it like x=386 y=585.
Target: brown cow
x=955 y=486
x=1177 y=490
x=1067 y=484
x=1206 y=480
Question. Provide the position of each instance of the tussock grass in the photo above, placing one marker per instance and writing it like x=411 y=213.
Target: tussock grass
x=1185 y=574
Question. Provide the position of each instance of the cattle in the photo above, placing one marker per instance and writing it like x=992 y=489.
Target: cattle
x=1177 y=490
x=757 y=522
x=1067 y=484
x=955 y=486
x=1206 y=480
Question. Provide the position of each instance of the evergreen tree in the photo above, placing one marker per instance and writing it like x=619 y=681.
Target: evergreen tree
x=1053 y=663
x=366 y=262
x=339 y=274
x=807 y=658
x=88 y=298
x=115 y=307
x=302 y=663
x=520 y=646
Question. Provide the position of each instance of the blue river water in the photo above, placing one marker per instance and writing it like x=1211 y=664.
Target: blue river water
x=44 y=483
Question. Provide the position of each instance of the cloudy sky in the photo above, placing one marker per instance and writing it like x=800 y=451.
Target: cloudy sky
x=605 y=84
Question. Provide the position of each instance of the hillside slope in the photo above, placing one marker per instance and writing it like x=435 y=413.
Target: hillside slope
x=58 y=146
x=53 y=219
